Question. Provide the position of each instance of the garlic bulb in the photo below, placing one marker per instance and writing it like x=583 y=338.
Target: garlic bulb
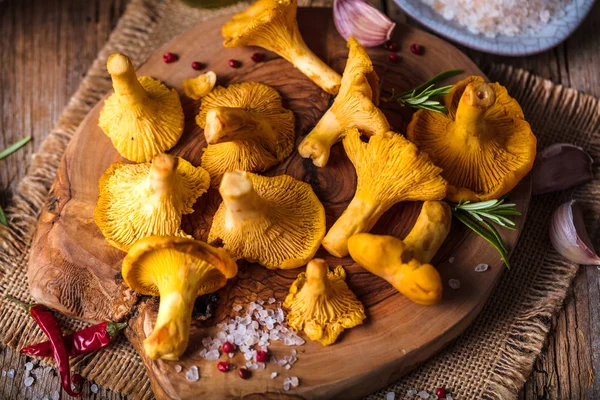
x=559 y=167
x=569 y=237
x=358 y=18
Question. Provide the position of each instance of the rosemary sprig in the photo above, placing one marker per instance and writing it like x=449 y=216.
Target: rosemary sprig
x=422 y=96
x=5 y=153
x=480 y=217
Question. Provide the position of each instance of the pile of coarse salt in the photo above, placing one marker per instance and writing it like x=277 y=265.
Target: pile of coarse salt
x=255 y=330
x=500 y=17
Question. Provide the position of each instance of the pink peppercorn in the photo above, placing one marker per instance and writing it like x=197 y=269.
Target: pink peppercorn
x=197 y=65
x=391 y=46
x=234 y=63
x=170 y=57
x=416 y=49
x=394 y=57
x=261 y=356
x=223 y=366
x=244 y=373
x=440 y=393
x=257 y=57
x=228 y=347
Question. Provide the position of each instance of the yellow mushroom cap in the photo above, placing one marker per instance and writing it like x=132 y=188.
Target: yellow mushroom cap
x=178 y=270
x=354 y=107
x=200 y=86
x=142 y=117
x=246 y=128
x=322 y=304
x=272 y=25
x=389 y=169
x=275 y=221
x=484 y=145
x=139 y=200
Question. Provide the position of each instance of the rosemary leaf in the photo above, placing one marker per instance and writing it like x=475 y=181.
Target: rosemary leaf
x=3 y=220
x=14 y=147
x=490 y=237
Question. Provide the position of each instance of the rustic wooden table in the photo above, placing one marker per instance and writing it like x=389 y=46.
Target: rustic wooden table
x=47 y=46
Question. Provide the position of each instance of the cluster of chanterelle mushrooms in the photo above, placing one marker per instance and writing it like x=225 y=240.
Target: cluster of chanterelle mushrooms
x=480 y=150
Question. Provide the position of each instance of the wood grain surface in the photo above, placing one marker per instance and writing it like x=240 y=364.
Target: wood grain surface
x=74 y=270
x=49 y=45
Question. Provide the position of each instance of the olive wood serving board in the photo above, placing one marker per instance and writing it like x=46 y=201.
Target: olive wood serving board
x=75 y=271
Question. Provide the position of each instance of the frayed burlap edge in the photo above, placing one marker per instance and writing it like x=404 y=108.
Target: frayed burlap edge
x=548 y=290
x=120 y=369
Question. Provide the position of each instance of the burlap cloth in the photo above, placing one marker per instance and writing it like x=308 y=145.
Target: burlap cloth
x=492 y=359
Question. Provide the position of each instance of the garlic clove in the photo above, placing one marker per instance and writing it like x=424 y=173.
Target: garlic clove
x=358 y=18
x=559 y=167
x=569 y=237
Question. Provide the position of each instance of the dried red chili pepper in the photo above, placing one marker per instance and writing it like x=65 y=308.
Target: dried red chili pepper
x=49 y=325
x=81 y=342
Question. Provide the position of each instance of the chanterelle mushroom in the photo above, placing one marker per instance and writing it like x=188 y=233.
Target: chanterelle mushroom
x=178 y=270
x=322 y=304
x=200 y=86
x=246 y=128
x=484 y=145
x=355 y=106
x=139 y=200
x=275 y=221
x=405 y=263
x=389 y=170
x=142 y=117
x=272 y=25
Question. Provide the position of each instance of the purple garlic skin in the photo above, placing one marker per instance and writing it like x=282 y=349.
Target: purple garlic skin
x=561 y=166
x=569 y=236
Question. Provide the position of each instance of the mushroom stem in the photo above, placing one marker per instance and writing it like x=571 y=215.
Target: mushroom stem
x=430 y=230
x=161 y=173
x=316 y=275
x=225 y=124
x=477 y=98
x=171 y=333
x=360 y=216
x=124 y=80
x=242 y=203
x=317 y=144
x=290 y=45
x=390 y=259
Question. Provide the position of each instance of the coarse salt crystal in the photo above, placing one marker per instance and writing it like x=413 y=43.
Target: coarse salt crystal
x=449 y=397
x=29 y=381
x=451 y=260
x=192 y=374
x=390 y=396
x=454 y=283
x=178 y=368
x=424 y=395
x=28 y=366
x=286 y=386
x=294 y=352
x=481 y=268
x=271 y=300
x=56 y=395
x=11 y=373
x=295 y=381
x=212 y=355
x=231 y=355
x=274 y=375
x=411 y=392
x=237 y=308
x=287 y=366
x=94 y=388
x=261 y=302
